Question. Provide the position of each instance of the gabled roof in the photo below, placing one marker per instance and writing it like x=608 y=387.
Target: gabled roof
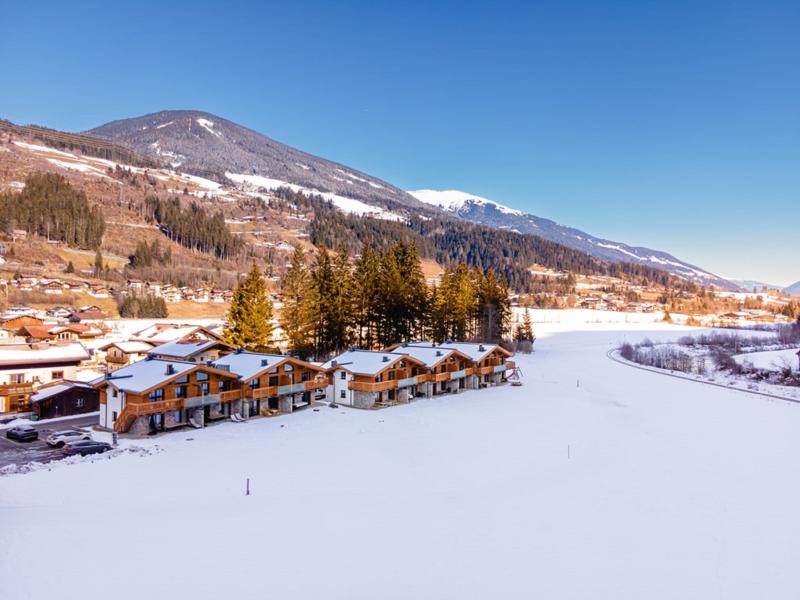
x=250 y=364
x=366 y=362
x=476 y=351
x=145 y=375
x=55 y=389
x=128 y=347
x=186 y=347
x=31 y=354
x=431 y=356
x=161 y=333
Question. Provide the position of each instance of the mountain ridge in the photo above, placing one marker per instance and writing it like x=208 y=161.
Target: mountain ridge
x=211 y=146
x=490 y=212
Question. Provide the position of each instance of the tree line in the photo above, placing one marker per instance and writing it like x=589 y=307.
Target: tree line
x=50 y=207
x=382 y=298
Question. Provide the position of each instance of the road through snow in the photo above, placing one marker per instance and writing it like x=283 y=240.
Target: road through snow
x=668 y=490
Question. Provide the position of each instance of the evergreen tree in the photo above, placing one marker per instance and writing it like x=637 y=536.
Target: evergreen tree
x=366 y=301
x=70 y=268
x=98 y=263
x=299 y=305
x=249 y=323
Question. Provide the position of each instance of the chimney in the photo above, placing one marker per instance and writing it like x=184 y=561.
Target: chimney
x=334 y=363
x=264 y=362
x=438 y=353
x=481 y=348
x=170 y=369
x=385 y=359
x=239 y=350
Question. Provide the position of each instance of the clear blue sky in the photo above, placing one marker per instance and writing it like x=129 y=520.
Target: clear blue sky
x=669 y=124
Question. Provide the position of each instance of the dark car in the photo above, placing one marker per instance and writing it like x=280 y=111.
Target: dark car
x=22 y=433
x=86 y=447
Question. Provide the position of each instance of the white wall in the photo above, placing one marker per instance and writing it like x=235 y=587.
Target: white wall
x=340 y=384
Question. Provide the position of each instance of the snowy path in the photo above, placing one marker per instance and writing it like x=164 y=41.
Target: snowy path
x=672 y=490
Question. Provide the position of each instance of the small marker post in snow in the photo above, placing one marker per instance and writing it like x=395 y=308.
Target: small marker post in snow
x=579 y=383
x=568 y=452
x=247 y=493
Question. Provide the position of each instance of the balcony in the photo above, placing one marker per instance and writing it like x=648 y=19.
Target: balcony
x=414 y=380
x=373 y=386
x=153 y=408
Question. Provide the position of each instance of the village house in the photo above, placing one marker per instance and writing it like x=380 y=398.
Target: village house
x=162 y=333
x=490 y=362
x=118 y=354
x=155 y=395
x=88 y=314
x=58 y=312
x=368 y=379
x=65 y=398
x=26 y=367
x=448 y=370
x=273 y=383
x=70 y=332
x=98 y=291
x=200 y=347
x=13 y=323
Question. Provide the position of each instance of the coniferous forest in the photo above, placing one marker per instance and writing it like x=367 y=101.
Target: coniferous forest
x=193 y=227
x=50 y=207
x=382 y=298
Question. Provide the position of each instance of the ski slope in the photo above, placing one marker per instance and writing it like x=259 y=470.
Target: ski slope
x=592 y=480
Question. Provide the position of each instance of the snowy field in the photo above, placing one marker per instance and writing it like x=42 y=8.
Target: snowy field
x=771 y=360
x=592 y=480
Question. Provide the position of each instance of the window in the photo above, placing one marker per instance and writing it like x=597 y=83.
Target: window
x=156 y=395
x=183 y=379
x=79 y=403
x=202 y=376
x=180 y=391
x=17 y=378
x=56 y=374
x=114 y=416
x=254 y=384
x=203 y=389
x=342 y=375
x=288 y=367
x=113 y=393
x=343 y=394
x=304 y=376
x=391 y=375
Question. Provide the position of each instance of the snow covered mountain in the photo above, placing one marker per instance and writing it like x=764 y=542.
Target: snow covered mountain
x=213 y=147
x=793 y=290
x=488 y=212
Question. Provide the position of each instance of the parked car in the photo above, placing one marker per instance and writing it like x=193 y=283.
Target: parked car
x=85 y=447
x=59 y=438
x=22 y=433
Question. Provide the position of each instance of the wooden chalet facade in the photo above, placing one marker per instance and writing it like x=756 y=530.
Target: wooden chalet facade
x=156 y=395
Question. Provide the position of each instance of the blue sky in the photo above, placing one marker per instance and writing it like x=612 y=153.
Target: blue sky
x=669 y=124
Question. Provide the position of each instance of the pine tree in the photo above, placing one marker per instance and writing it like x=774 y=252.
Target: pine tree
x=98 y=263
x=250 y=315
x=70 y=268
x=366 y=301
x=299 y=301
x=324 y=297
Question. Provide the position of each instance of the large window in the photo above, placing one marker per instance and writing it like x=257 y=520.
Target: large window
x=202 y=376
x=156 y=395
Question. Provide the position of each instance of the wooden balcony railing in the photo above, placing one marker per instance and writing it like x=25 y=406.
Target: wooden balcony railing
x=372 y=386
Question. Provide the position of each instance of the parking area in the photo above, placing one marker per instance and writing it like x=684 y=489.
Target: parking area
x=13 y=452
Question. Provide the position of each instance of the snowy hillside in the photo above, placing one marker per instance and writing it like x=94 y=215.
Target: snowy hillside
x=488 y=212
x=793 y=289
x=592 y=480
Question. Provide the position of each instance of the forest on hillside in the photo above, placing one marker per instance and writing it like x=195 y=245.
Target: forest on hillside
x=451 y=242
x=50 y=207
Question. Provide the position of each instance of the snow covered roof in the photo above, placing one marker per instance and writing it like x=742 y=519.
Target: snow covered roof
x=248 y=364
x=429 y=355
x=161 y=333
x=53 y=390
x=146 y=374
x=30 y=354
x=184 y=348
x=475 y=350
x=363 y=362
x=129 y=347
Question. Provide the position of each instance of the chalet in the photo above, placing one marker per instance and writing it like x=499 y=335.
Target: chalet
x=53 y=287
x=490 y=361
x=26 y=367
x=119 y=354
x=367 y=379
x=14 y=323
x=156 y=395
x=88 y=314
x=21 y=311
x=161 y=333
x=171 y=294
x=196 y=347
x=58 y=312
x=448 y=369
x=98 y=291
x=273 y=383
x=65 y=398
x=71 y=332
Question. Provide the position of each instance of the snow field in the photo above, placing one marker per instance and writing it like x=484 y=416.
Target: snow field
x=592 y=480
